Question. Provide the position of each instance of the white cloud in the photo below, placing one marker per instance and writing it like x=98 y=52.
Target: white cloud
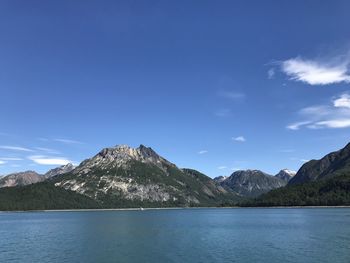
x=67 y=141
x=271 y=73
x=343 y=101
x=333 y=116
x=340 y=123
x=2 y=162
x=316 y=72
x=222 y=167
x=203 y=152
x=15 y=148
x=239 y=139
x=45 y=160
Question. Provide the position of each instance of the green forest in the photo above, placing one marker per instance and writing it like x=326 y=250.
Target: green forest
x=327 y=192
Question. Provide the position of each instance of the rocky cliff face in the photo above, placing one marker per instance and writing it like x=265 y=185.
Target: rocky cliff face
x=21 y=179
x=335 y=163
x=285 y=174
x=251 y=183
x=125 y=174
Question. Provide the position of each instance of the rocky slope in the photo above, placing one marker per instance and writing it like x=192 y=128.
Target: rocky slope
x=252 y=183
x=21 y=179
x=124 y=176
x=285 y=174
x=332 y=164
x=220 y=179
x=59 y=170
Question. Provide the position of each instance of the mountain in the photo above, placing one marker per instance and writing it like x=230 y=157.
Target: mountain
x=318 y=182
x=122 y=176
x=220 y=179
x=334 y=191
x=251 y=183
x=285 y=174
x=32 y=177
x=330 y=165
x=59 y=170
x=21 y=179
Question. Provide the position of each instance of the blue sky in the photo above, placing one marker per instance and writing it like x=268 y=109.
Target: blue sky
x=212 y=85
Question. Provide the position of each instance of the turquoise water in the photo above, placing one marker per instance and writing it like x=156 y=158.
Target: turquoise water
x=184 y=235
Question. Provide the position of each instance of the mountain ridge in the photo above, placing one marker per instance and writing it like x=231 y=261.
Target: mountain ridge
x=326 y=167
x=251 y=183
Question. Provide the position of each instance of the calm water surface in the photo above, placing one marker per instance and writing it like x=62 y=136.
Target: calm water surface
x=184 y=235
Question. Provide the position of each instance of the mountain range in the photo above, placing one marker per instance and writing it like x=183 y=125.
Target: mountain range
x=123 y=176
x=252 y=183
x=318 y=182
x=32 y=177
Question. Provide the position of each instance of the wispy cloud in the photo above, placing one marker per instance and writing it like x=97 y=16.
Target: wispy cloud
x=239 y=139
x=296 y=125
x=222 y=167
x=2 y=162
x=68 y=141
x=47 y=150
x=203 y=152
x=15 y=148
x=232 y=95
x=317 y=72
x=271 y=73
x=46 y=160
x=334 y=115
x=299 y=159
x=11 y=159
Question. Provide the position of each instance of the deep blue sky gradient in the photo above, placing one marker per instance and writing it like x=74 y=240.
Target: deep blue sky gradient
x=179 y=76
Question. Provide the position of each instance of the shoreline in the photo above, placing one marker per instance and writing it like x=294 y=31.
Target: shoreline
x=169 y=208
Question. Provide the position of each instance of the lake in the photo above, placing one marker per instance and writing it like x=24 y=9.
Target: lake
x=178 y=235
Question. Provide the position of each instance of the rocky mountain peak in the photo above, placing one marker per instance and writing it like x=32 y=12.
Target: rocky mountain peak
x=251 y=182
x=220 y=179
x=285 y=174
x=248 y=172
x=121 y=156
x=59 y=170
x=21 y=179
